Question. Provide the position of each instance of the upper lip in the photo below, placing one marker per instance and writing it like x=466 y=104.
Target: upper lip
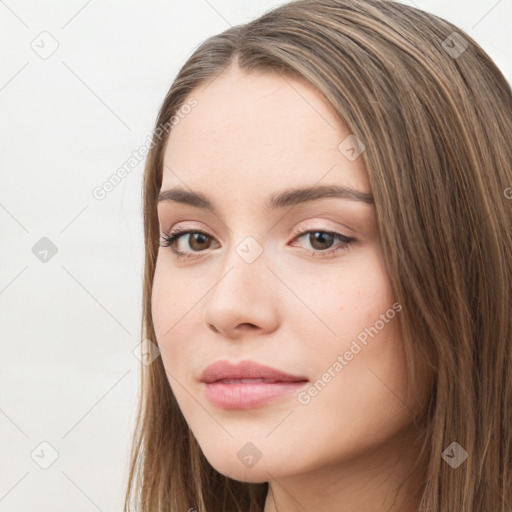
x=221 y=370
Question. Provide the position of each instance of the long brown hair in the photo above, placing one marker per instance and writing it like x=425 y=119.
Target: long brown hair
x=435 y=115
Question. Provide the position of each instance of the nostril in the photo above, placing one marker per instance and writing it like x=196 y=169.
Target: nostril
x=213 y=328
x=247 y=326
x=241 y=327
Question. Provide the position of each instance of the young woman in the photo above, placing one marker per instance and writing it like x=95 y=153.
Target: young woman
x=328 y=271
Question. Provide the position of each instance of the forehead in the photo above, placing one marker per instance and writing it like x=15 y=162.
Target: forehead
x=262 y=131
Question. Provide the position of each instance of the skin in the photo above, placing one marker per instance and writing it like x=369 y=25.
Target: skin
x=252 y=135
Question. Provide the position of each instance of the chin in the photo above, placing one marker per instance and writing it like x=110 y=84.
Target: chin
x=237 y=471
x=236 y=468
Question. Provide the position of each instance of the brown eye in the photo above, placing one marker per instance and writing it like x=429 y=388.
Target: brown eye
x=320 y=240
x=197 y=242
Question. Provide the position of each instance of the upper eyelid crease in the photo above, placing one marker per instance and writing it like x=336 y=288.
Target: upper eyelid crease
x=279 y=200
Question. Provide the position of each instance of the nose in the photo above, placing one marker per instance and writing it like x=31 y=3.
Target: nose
x=243 y=299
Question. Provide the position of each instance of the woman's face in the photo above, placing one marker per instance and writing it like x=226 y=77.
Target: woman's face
x=268 y=282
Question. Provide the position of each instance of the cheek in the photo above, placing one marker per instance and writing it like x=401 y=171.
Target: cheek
x=348 y=300
x=161 y=301
x=171 y=299
x=360 y=367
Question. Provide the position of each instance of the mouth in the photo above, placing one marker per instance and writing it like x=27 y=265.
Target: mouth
x=246 y=371
x=247 y=384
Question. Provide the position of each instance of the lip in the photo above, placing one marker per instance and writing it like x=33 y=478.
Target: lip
x=225 y=384
x=245 y=370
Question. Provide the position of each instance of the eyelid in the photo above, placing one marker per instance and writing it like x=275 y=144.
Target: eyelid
x=320 y=225
x=315 y=224
x=299 y=230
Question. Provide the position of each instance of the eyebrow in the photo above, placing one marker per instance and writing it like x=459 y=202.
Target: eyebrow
x=280 y=200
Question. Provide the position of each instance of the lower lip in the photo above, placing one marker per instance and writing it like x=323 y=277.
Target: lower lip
x=248 y=395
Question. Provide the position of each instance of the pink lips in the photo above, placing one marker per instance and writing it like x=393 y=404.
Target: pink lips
x=247 y=384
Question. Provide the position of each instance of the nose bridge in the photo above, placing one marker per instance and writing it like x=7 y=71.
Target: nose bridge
x=248 y=238
x=242 y=290
x=249 y=249
x=244 y=265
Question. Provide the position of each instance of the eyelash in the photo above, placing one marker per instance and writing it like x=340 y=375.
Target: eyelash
x=170 y=239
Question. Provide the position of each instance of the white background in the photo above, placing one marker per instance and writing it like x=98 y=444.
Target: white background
x=68 y=326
